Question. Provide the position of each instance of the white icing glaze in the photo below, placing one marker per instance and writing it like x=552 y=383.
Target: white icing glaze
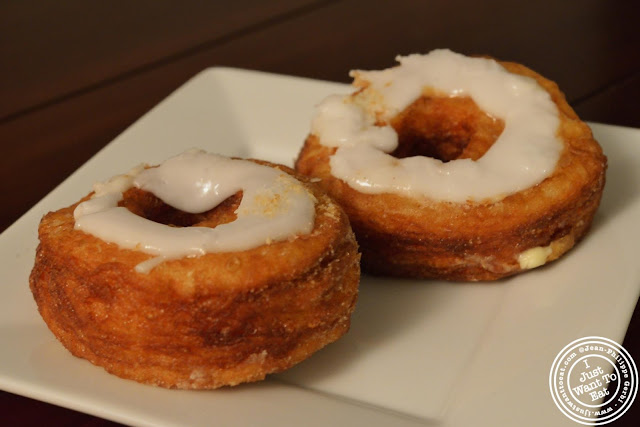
x=523 y=155
x=274 y=207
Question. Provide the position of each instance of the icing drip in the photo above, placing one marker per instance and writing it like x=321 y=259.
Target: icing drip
x=523 y=155
x=274 y=207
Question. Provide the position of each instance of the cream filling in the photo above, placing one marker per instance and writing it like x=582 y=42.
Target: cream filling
x=534 y=257
x=523 y=155
x=274 y=207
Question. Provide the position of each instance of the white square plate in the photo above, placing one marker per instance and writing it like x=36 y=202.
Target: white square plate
x=418 y=353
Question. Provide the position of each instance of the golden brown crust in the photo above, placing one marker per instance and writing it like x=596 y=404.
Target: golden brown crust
x=401 y=236
x=219 y=319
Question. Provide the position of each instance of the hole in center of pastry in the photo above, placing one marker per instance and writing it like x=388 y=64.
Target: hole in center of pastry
x=147 y=205
x=445 y=128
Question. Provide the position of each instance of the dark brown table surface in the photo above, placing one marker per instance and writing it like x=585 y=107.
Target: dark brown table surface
x=75 y=74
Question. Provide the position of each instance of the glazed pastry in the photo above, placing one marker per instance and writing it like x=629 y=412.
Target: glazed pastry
x=202 y=272
x=456 y=168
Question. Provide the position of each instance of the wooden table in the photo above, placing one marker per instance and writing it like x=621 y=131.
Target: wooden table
x=75 y=74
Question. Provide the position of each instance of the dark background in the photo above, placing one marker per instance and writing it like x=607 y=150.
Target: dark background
x=75 y=74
